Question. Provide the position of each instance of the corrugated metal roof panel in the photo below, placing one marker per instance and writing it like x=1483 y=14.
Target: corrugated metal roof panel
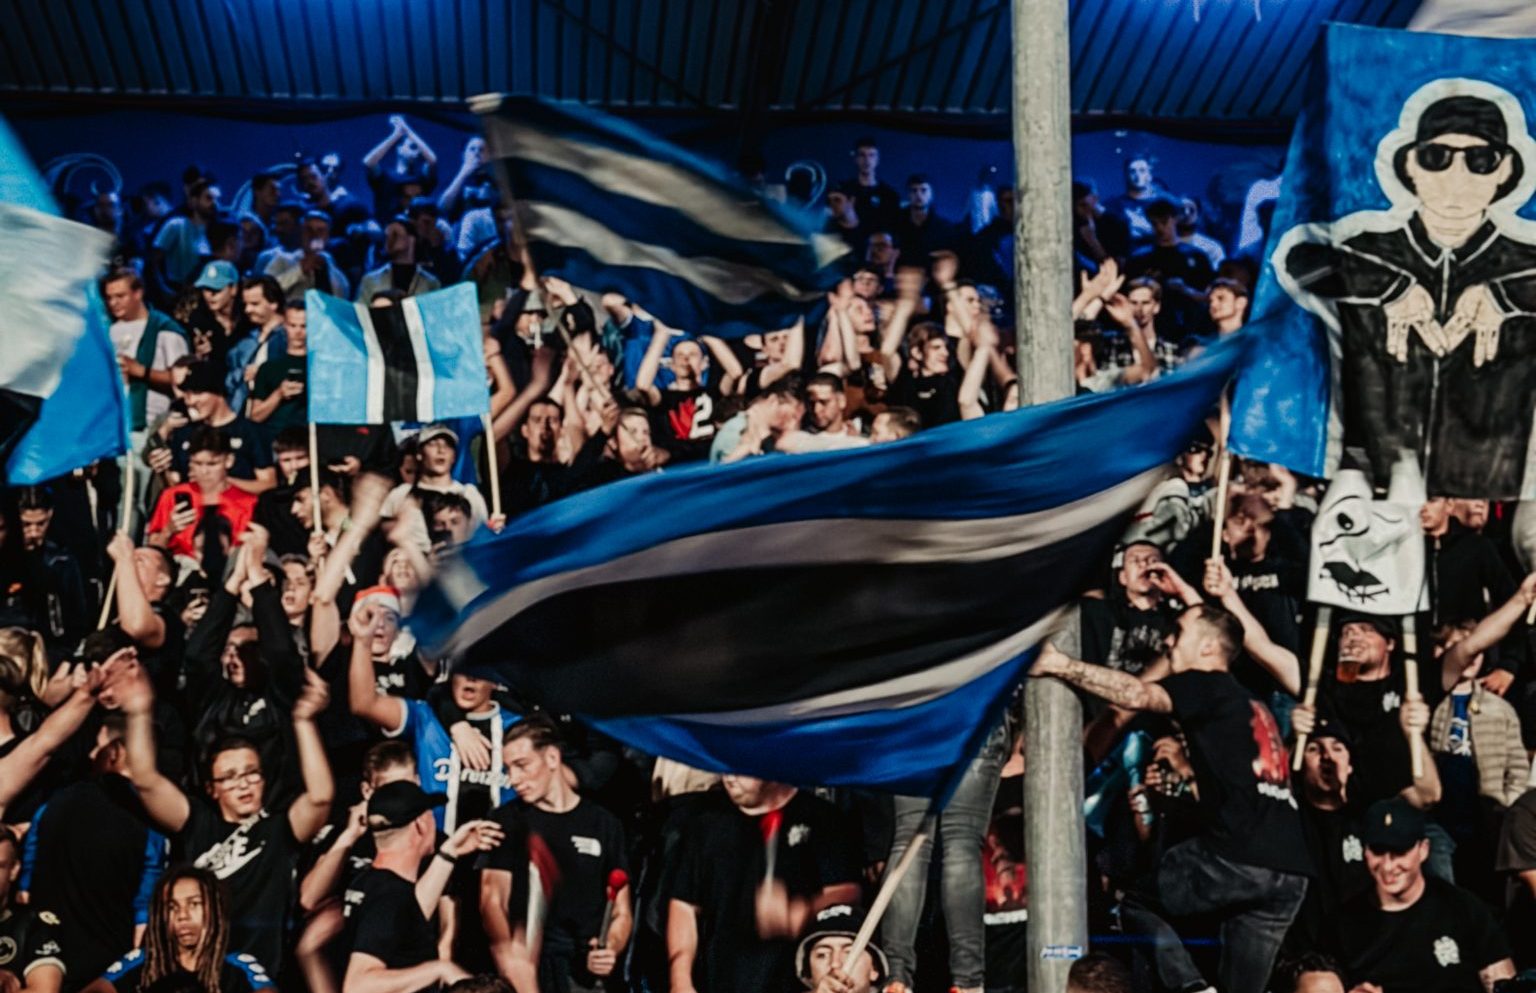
x=1238 y=60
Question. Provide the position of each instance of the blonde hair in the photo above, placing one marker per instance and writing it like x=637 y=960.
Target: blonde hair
x=23 y=662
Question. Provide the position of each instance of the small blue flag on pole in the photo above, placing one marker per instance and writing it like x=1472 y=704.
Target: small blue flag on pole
x=419 y=360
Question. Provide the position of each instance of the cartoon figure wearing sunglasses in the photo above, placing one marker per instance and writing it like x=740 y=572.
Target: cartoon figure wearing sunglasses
x=1433 y=302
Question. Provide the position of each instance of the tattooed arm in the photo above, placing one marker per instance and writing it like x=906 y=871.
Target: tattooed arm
x=1118 y=688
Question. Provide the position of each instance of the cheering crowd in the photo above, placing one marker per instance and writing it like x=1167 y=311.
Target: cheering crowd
x=226 y=766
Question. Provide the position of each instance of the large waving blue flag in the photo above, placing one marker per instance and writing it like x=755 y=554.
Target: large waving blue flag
x=61 y=395
x=839 y=618
x=419 y=360
x=1398 y=297
x=608 y=206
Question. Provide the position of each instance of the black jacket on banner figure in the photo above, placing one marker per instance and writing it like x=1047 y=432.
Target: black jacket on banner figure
x=1432 y=304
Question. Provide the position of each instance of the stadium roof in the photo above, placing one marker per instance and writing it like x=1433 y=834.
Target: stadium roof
x=1193 y=60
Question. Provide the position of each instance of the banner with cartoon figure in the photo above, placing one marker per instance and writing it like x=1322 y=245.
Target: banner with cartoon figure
x=1398 y=298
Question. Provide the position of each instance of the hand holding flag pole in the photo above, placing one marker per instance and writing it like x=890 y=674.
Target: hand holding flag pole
x=770 y=827
x=1314 y=673
x=125 y=525
x=1411 y=687
x=617 y=880
x=1223 y=477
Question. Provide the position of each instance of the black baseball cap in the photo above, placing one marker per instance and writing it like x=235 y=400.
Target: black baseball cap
x=397 y=804
x=1393 y=826
x=1387 y=626
x=1327 y=727
x=203 y=377
x=841 y=920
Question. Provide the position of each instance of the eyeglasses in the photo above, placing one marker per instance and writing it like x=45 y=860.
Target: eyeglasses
x=1480 y=159
x=249 y=776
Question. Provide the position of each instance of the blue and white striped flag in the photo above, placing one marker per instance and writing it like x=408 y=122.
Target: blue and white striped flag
x=608 y=206
x=61 y=395
x=838 y=618
x=420 y=360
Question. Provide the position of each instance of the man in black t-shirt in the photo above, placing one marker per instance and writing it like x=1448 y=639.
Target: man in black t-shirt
x=30 y=940
x=93 y=859
x=689 y=408
x=393 y=946
x=586 y=844
x=252 y=469
x=726 y=928
x=1248 y=866
x=251 y=847
x=1364 y=694
x=1413 y=933
x=1129 y=629
x=536 y=475
x=928 y=382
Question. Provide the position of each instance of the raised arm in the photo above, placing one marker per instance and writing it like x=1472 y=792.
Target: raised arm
x=377 y=152
x=308 y=813
x=31 y=754
x=794 y=357
x=1279 y=661
x=386 y=712
x=725 y=363
x=650 y=365
x=1491 y=630
x=1119 y=688
x=323 y=878
x=510 y=416
x=469 y=839
x=135 y=615
x=909 y=285
x=167 y=805
x=975 y=373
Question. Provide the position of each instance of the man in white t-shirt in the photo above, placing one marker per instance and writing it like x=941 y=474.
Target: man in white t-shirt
x=147 y=344
x=437 y=449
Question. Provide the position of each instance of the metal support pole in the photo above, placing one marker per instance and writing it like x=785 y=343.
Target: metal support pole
x=1054 y=843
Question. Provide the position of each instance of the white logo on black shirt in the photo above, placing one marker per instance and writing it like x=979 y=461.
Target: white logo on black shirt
x=7 y=950
x=1353 y=850
x=1447 y=952
x=1391 y=701
x=798 y=833
x=587 y=846
x=232 y=854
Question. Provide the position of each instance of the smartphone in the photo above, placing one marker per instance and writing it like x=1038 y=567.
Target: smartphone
x=183 y=502
x=179 y=406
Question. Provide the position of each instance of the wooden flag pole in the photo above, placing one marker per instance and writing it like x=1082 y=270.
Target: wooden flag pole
x=1411 y=685
x=1223 y=478
x=888 y=888
x=490 y=464
x=125 y=525
x=314 y=477
x=1314 y=673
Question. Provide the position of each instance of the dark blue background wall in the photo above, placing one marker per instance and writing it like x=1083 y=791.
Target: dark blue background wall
x=149 y=144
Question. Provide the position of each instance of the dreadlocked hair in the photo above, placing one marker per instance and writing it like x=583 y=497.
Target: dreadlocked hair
x=160 y=958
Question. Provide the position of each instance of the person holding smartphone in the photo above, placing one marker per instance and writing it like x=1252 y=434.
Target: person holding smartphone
x=277 y=398
x=180 y=509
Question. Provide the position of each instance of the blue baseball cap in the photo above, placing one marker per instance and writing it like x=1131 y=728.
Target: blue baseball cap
x=217 y=275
